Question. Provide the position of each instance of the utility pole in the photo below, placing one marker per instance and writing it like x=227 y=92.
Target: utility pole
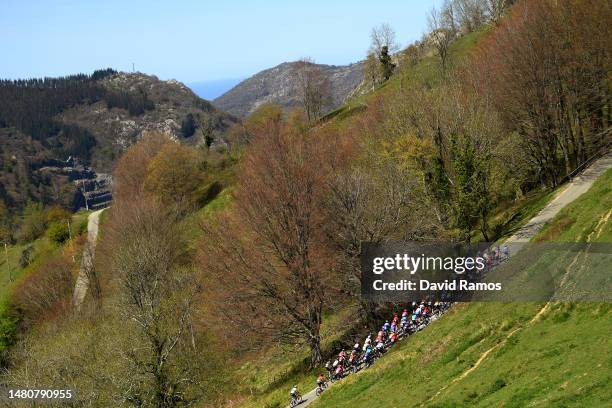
x=84 y=195
x=70 y=236
x=8 y=267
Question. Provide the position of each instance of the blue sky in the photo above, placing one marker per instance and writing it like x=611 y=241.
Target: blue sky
x=193 y=41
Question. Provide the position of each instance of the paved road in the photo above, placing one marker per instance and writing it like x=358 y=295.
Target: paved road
x=572 y=190
x=82 y=283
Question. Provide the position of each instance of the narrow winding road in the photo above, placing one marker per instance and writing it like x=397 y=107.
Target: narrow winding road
x=82 y=283
x=574 y=189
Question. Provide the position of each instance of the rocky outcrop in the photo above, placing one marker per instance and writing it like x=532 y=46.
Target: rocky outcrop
x=115 y=128
x=92 y=190
x=277 y=85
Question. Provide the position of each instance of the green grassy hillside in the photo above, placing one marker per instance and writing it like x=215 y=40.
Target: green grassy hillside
x=427 y=70
x=267 y=378
x=504 y=354
x=42 y=249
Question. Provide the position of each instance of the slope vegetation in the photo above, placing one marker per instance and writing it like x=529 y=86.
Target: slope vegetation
x=504 y=354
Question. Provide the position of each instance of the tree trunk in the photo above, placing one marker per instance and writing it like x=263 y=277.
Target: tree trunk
x=484 y=228
x=368 y=309
x=314 y=342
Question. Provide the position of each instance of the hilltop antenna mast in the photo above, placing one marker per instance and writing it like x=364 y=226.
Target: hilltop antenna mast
x=133 y=70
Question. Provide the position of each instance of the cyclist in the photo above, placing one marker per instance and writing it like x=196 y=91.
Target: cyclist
x=295 y=395
x=329 y=368
x=321 y=381
x=339 y=372
x=386 y=326
x=321 y=384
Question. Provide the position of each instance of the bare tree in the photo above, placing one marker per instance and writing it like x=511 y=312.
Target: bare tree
x=545 y=67
x=496 y=8
x=270 y=258
x=470 y=14
x=379 y=64
x=313 y=88
x=443 y=32
x=372 y=71
x=370 y=203
x=383 y=36
x=157 y=297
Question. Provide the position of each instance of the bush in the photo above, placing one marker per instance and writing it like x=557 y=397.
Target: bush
x=46 y=292
x=33 y=224
x=498 y=384
x=26 y=256
x=56 y=214
x=8 y=329
x=82 y=228
x=58 y=232
x=174 y=175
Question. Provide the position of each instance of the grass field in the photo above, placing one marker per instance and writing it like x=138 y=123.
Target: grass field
x=504 y=354
x=426 y=70
x=268 y=377
x=13 y=272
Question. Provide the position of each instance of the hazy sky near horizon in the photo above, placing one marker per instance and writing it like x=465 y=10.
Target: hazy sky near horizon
x=193 y=40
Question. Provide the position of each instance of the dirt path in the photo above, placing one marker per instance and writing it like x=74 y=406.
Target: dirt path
x=574 y=189
x=82 y=283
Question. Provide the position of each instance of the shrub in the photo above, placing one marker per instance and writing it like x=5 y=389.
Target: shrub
x=26 y=256
x=174 y=175
x=8 y=329
x=498 y=384
x=33 y=224
x=82 y=228
x=56 y=214
x=45 y=292
x=58 y=232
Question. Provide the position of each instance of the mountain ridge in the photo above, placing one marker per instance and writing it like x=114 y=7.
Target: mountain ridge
x=93 y=118
x=276 y=85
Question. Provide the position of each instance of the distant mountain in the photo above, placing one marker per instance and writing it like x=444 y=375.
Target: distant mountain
x=94 y=119
x=277 y=85
x=213 y=89
x=117 y=128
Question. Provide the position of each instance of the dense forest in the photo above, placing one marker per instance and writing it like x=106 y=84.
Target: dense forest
x=31 y=105
x=33 y=135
